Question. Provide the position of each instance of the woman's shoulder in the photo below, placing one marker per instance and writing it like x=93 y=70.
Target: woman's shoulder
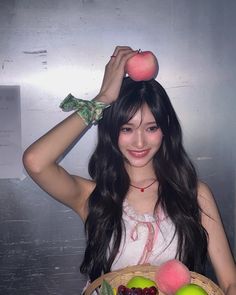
x=204 y=190
x=206 y=199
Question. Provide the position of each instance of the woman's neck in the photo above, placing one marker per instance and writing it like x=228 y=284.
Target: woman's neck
x=141 y=175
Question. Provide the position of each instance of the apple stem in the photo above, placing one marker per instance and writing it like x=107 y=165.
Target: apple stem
x=139 y=50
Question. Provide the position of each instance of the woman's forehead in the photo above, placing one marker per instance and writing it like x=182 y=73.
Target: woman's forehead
x=142 y=115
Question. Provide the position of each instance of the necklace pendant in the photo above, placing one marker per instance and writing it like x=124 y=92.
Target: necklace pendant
x=143 y=188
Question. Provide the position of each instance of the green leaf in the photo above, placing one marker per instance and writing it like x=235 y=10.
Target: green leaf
x=106 y=288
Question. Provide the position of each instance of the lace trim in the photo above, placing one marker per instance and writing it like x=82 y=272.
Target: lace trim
x=148 y=221
x=146 y=217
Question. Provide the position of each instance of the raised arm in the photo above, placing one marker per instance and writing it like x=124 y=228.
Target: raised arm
x=40 y=159
x=218 y=246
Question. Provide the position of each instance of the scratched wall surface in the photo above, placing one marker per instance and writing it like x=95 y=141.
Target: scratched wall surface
x=41 y=243
x=51 y=48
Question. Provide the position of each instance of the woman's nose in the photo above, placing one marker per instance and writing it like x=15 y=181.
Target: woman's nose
x=139 y=140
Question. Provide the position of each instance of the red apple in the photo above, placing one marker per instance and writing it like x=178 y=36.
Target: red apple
x=142 y=67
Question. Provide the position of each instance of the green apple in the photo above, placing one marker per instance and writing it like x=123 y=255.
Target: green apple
x=140 y=282
x=191 y=289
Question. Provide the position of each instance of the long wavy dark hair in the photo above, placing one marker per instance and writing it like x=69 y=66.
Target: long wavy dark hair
x=177 y=191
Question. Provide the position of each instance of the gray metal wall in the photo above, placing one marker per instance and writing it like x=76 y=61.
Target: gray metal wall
x=50 y=48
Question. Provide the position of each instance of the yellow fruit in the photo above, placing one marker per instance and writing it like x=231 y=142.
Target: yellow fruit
x=140 y=282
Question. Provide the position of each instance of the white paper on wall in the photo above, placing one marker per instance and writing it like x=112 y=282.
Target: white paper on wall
x=10 y=132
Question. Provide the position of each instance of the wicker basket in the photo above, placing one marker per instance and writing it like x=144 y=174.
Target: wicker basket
x=121 y=277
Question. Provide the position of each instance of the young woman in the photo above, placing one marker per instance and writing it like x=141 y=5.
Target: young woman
x=143 y=203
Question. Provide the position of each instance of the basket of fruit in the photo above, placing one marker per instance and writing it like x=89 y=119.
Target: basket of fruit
x=170 y=278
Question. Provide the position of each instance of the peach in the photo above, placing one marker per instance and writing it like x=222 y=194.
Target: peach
x=142 y=67
x=171 y=276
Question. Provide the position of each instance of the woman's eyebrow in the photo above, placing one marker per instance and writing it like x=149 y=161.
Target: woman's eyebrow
x=151 y=122
x=145 y=123
x=128 y=123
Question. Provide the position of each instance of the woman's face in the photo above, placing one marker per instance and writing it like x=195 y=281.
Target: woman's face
x=140 y=138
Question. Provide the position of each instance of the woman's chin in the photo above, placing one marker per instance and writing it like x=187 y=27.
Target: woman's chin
x=138 y=163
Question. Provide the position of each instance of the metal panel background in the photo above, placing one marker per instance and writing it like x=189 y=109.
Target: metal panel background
x=51 y=48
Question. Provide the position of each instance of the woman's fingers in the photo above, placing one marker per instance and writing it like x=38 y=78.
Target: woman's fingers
x=118 y=60
x=120 y=48
x=122 y=54
x=114 y=73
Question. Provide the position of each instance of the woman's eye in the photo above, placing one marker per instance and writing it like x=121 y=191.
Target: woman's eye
x=153 y=128
x=125 y=129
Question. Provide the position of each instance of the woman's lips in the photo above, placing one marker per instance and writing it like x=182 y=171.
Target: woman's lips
x=138 y=154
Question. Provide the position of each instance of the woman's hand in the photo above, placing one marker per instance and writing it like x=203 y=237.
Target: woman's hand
x=114 y=74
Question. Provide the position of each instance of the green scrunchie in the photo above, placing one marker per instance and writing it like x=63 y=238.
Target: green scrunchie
x=89 y=111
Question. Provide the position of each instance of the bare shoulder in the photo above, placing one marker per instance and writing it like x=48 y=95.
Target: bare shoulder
x=207 y=203
x=205 y=195
x=210 y=214
x=204 y=190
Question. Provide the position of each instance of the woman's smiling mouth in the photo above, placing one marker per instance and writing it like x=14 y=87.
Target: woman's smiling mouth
x=139 y=154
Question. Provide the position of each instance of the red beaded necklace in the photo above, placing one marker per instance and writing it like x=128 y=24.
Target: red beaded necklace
x=143 y=188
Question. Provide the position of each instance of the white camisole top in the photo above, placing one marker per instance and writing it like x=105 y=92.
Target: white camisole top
x=146 y=239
